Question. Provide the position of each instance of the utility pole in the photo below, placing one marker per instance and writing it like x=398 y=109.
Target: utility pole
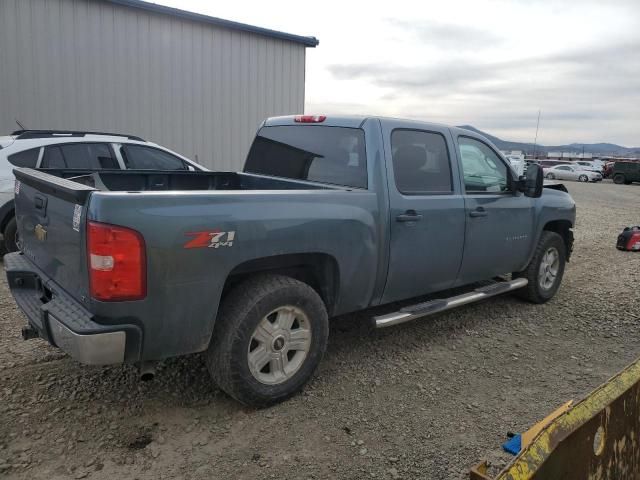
x=535 y=141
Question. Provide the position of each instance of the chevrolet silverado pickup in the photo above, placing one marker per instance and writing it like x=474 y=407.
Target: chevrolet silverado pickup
x=330 y=215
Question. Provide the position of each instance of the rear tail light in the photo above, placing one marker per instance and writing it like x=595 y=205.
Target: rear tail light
x=310 y=118
x=117 y=263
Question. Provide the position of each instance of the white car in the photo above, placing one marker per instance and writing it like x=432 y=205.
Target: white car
x=592 y=166
x=571 y=172
x=74 y=150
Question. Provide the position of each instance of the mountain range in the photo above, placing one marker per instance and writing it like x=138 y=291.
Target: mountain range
x=595 y=148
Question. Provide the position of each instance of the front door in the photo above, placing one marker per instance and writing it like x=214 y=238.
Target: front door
x=426 y=212
x=499 y=220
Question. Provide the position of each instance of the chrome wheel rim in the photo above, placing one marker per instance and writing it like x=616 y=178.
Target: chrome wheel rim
x=549 y=267
x=279 y=345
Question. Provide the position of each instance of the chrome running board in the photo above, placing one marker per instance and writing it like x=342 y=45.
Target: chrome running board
x=419 y=310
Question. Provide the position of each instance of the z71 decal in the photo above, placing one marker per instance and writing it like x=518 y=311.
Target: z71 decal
x=213 y=239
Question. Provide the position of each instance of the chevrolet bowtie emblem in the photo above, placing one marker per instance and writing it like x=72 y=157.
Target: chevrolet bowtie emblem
x=41 y=233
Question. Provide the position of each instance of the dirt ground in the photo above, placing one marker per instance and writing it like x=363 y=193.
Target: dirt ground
x=422 y=400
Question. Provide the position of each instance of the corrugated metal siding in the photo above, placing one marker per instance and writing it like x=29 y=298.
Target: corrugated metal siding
x=195 y=88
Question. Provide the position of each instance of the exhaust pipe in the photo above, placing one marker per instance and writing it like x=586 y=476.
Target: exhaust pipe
x=28 y=332
x=147 y=371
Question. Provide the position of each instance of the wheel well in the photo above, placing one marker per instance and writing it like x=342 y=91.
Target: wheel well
x=318 y=270
x=562 y=228
x=3 y=223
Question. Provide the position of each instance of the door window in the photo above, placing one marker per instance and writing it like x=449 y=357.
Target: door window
x=138 y=157
x=564 y=168
x=484 y=171
x=420 y=162
x=83 y=156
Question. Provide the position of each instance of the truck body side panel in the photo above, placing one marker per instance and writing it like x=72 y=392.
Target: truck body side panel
x=186 y=275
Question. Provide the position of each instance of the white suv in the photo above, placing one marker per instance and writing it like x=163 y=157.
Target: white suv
x=74 y=150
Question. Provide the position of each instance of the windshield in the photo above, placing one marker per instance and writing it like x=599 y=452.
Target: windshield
x=334 y=155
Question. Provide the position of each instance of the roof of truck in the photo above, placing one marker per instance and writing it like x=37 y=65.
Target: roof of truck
x=352 y=121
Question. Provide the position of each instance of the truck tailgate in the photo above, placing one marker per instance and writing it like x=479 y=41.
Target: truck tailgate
x=50 y=215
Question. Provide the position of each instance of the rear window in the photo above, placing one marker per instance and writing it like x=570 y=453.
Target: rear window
x=334 y=155
x=28 y=158
x=84 y=156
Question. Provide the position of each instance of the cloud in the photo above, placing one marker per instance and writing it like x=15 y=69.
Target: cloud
x=447 y=36
x=579 y=91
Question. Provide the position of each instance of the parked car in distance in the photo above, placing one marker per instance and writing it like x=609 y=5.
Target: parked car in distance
x=331 y=215
x=571 y=172
x=591 y=166
x=626 y=172
x=517 y=162
x=608 y=169
x=74 y=151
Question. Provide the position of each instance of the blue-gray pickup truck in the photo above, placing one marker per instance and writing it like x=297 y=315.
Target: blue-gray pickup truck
x=331 y=215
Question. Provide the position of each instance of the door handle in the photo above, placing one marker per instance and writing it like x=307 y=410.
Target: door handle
x=409 y=216
x=478 y=212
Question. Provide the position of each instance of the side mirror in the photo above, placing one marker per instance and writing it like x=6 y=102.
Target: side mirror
x=531 y=183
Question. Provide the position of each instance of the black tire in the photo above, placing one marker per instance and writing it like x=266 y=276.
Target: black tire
x=550 y=176
x=583 y=178
x=241 y=312
x=618 y=178
x=10 y=236
x=534 y=291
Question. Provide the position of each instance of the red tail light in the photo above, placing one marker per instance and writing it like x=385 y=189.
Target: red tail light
x=309 y=118
x=117 y=263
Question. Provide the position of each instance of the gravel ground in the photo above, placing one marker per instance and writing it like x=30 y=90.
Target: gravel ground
x=423 y=400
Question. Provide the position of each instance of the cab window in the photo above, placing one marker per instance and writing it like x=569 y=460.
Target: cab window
x=420 y=162
x=484 y=171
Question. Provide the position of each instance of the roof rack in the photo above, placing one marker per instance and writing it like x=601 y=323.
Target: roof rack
x=25 y=134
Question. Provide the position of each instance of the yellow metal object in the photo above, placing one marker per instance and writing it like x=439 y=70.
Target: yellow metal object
x=597 y=439
x=529 y=435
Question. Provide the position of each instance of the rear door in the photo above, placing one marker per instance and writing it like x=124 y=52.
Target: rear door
x=427 y=218
x=499 y=221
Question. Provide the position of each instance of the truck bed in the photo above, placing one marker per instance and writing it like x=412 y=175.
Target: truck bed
x=143 y=180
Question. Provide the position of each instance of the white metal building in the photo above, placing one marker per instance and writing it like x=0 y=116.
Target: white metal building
x=199 y=85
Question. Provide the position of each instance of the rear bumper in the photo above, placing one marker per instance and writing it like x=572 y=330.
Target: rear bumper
x=64 y=322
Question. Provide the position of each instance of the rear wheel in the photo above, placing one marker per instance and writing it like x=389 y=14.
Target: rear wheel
x=550 y=176
x=618 y=178
x=269 y=338
x=545 y=270
x=583 y=178
x=10 y=236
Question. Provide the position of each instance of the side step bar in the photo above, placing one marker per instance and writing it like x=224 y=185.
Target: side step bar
x=440 y=305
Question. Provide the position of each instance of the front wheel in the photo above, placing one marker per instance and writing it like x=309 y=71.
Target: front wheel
x=269 y=338
x=618 y=178
x=583 y=178
x=545 y=270
x=550 y=176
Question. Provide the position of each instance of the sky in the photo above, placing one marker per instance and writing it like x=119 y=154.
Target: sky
x=492 y=64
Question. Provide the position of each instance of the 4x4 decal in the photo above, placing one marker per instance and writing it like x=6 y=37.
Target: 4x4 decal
x=211 y=239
